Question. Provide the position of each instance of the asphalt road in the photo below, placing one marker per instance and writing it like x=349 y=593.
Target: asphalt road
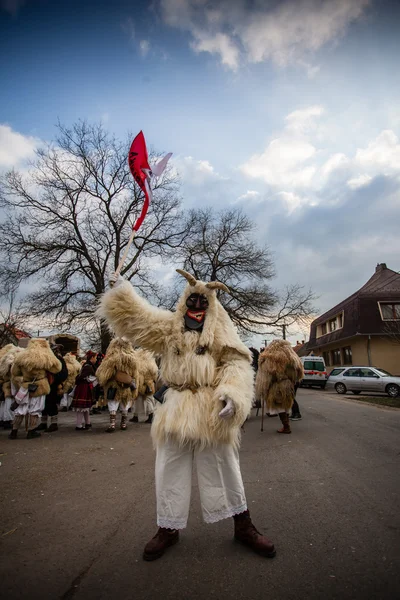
x=77 y=509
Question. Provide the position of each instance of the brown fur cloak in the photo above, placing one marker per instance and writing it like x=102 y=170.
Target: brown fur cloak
x=7 y=358
x=120 y=357
x=73 y=367
x=279 y=368
x=32 y=365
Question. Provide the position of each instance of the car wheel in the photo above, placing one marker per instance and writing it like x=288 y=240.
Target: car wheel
x=340 y=388
x=356 y=393
x=393 y=390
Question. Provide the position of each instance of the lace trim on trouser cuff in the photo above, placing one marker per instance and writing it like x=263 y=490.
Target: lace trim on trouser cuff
x=224 y=514
x=171 y=523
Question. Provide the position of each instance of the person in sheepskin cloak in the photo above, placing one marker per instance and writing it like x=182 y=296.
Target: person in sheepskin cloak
x=73 y=367
x=210 y=387
x=148 y=375
x=7 y=357
x=118 y=375
x=32 y=371
x=279 y=369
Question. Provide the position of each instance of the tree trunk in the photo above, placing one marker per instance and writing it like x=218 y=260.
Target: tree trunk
x=105 y=337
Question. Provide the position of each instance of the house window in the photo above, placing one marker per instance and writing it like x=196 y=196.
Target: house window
x=336 y=357
x=390 y=311
x=332 y=324
x=323 y=329
x=347 y=356
x=327 y=358
x=340 y=320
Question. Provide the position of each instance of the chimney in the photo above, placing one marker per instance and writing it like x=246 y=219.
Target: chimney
x=380 y=267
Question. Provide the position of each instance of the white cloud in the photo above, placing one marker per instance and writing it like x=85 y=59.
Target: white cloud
x=283 y=33
x=250 y=195
x=15 y=147
x=144 y=47
x=195 y=172
x=359 y=181
x=382 y=154
x=218 y=43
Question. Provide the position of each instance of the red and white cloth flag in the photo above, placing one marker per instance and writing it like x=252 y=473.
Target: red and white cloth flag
x=142 y=172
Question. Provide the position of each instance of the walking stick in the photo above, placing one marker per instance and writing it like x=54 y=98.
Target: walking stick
x=123 y=259
x=262 y=415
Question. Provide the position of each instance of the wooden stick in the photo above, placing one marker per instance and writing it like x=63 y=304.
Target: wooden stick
x=262 y=415
x=123 y=259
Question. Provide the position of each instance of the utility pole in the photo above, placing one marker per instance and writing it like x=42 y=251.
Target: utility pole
x=265 y=343
x=284 y=331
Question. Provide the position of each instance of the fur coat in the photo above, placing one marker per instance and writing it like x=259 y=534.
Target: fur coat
x=120 y=356
x=7 y=358
x=200 y=367
x=32 y=366
x=147 y=372
x=279 y=369
x=73 y=367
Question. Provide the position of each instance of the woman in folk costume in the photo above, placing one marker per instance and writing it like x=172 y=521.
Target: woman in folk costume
x=118 y=375
x=73 y=368
x=147 y=377
x=83 y=392
x=210 y=387
x=279 y=369
x=8 y=390
x=31 y=372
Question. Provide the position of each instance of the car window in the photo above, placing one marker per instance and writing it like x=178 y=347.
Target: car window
x=336 y=372
x=383 y=372
x=367 y=373
x=352 y=373
x=314 y=365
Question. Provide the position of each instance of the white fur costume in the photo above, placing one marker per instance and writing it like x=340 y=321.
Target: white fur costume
x=200 y=369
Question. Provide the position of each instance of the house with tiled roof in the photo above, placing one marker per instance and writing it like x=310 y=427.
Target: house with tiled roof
x=363 y=329
x=9 y=334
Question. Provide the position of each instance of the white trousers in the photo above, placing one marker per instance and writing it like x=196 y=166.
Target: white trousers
x=6 y=414
x=219 y=479
x=114 y=404
x=144 y=406
x=33 y=406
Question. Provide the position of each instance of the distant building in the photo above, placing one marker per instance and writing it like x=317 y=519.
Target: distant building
x=9 y=334
x=301 y=348
x=70 y=342
x=364 y=329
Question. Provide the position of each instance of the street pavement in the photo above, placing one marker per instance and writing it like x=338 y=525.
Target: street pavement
x=78 y=507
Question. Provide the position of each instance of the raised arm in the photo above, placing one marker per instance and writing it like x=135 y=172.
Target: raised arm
x=132 y=317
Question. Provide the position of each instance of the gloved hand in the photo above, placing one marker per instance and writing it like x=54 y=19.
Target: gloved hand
x=115 y=280
x=229 y=410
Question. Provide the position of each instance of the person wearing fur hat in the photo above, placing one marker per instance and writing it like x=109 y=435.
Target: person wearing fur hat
x=53 y=398
x=148 y=375
x=73 y=368
x=31 y=372
x=83 y=392
x=210 y=386
x=8 y=390
x=118 y=374
x=279 y=369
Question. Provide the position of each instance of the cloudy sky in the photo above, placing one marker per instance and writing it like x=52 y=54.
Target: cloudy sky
x=287 y=108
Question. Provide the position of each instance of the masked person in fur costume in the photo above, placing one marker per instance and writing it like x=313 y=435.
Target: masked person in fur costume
x=148 y=375
x=73 y=367
x=279 y=369
x=210 y=386
x=8 y=390
x=31 y=372
x=118 y=375
x=54 y=397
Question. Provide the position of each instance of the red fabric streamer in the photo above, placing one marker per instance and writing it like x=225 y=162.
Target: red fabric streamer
x=139 y=165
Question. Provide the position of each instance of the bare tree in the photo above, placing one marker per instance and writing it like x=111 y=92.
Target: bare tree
x=391 y=331
x=222 y=247
x=12 y=319
x=68 y=221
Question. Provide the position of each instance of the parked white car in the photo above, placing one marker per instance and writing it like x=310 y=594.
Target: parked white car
x=363 y=379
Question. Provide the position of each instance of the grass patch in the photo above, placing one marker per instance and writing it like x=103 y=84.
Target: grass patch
x=382 y=400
